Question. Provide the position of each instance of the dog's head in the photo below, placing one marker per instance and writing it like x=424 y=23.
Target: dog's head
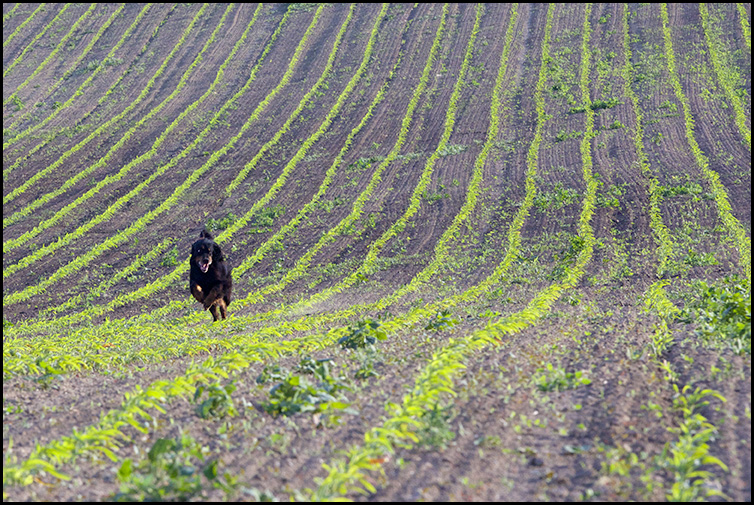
x=205 y=251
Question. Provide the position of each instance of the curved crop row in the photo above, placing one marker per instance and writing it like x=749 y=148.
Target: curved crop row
x=18 y=59
x=735 y=230
x=74 y=64
x=23 y=23
x=745 y=28
x=103 y=161
x=112 y=121
x=655 y=295
x=59 y=47
x=302 y=264
x=140 y=223
x=80 y=90
x=727 y=75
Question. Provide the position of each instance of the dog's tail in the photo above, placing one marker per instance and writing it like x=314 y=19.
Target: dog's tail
x=206 y=234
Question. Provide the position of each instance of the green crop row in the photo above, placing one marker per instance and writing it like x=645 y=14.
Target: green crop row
x=112 y=121
x=735 y=230
x=302 y=104
x=79 y=92
x=139 y=224
x=18 y=59
x=72 y=67
x=368 y=265
x=102 y=437
x=661 y=233
x=437 y=377
x=138 y=263
x=655 y=297
x=173 y=276
x=727 y=74
x=745 y=28
x=443 y=245
x=21 y=26
x=302 y=264
x=53 y=55
x=289 y=227
x=103 y=161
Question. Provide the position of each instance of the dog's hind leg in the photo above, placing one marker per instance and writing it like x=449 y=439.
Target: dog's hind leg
x=223 y=308
x=213 y=309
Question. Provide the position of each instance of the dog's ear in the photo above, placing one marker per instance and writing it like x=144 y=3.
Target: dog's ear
x=217 y=252
x=206 y=234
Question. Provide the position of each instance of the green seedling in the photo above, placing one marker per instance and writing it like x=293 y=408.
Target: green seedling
x=364 y=333
x=219 y=402
x=296 y=392
x=172 y=471
x=441 y=321
x=557 y=379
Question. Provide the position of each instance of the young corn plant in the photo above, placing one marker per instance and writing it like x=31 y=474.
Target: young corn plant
x=174 y=470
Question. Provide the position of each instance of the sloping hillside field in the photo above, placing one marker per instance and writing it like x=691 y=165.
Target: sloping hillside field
x=480 y=252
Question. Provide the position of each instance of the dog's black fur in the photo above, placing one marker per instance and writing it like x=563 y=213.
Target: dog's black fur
x=210 y=278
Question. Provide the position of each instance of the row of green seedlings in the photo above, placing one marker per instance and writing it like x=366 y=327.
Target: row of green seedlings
x=329 y=118
x=721 y=315
x=685 y=455
x=105 y=160
x=437 y=378
x=72 y=67
x=745 y=28
x=79 y=92
x=21 y=26
x=330 y=173
x=509 y=39
x=443 y=245
x=95 y=134
x=161 y=283
x=310 y=387
x=302 y=265
x=99 y=358
x=733 y=226
x=685 y=458
x=140 y=223
x=18 y=59
x=323 y=340
x=237 y=224
x=655 y=297
x=368 y=266
x=53 y=54
x=175 y=275
x=728 y=75
x=102 y=437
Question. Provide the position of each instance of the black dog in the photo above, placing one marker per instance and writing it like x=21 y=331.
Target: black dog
x=210 y=279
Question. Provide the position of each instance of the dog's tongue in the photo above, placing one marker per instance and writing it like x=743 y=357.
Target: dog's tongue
x=204 y=267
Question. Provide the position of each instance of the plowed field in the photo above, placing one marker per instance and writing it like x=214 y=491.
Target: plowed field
x=479 y=252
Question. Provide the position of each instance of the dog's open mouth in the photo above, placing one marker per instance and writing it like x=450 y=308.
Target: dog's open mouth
x=204 y=266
